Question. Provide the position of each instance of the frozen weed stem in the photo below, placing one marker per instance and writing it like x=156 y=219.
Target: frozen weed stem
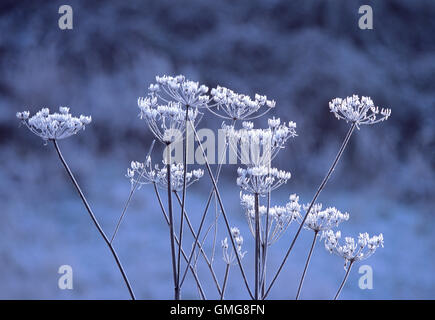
x=52 y=127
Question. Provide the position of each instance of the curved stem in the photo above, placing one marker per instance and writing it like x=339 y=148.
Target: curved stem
x=322 y=185
x=344 y=280
x=94 y=219
x=306 y=265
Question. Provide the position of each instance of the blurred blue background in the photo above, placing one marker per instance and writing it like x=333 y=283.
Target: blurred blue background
x=300 y=53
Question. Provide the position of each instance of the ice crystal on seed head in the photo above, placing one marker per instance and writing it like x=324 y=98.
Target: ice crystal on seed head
x=277 y=218
x=54 y=126
x=261 y=179
x=167 y=122
x=321 y=220
x=257 y=147
x=235 y=106
x=144 y=173
x=228 y=255
x=178 y=89
x=358 y=111
x=352 y=250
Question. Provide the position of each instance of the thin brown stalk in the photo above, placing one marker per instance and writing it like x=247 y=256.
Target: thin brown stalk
x=319 y=190
x=94 y=219
x=195 y=275
x=301 y=282
x=210 y=173
x=344 y=281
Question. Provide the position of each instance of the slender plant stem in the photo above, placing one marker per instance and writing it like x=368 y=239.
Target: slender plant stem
x=171 y=224
x=195 y=276
x=344 y=281
x=210 y=173
x=224 y=285
x=257 y=245
x=133 y=189
x=202 y=219
x=94 y=219
x=183 y=199
x=306 y=265
x=201 y=249
x=130 y=196
x=264 y=248
x=319 y=190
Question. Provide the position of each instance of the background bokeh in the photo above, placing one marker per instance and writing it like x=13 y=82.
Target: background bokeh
x=300 y=53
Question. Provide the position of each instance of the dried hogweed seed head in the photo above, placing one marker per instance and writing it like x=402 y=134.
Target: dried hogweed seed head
x=322 y=220
x=54 y=126
x=261 y=179
x=358 y=111
x=186 y=92
x=257 y=147
x=229 y=256
x=144 y=173
x=235 y=106
x=352 y=250
x=278 y=218
x=167 y=122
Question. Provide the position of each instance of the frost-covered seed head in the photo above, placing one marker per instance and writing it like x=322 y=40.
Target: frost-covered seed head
x=235 y=106
x=144 y=173
x=358 y=111
x=228 y=254
x=256 y=147
x=352 y=250
x=54 y=126
x=261 y=179
x=322 y=220
x=179 y=89
x=278 y=218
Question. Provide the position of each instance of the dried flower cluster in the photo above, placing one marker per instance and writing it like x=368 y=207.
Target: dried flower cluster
x=54 y=126
x=238 y=106
x=228 y=254
x=359 y=111
x=352 y=250
x=274 y=220
x=258 y=147
x=261 y=179
x=320 y=220
x=144 y=173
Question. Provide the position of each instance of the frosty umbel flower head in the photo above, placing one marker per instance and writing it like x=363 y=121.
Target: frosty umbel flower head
x=322 y=220
x=186 y=92
x=258 y=147
x=54 y=126
x=144 y=173
x=228 y=255
x=167 y=122
x=236 y=106
x=352 y=250
x=357 y=111
x=261 y=179
x=276 y=220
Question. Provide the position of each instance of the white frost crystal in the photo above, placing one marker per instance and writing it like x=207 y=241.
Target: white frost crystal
x=54 y=126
